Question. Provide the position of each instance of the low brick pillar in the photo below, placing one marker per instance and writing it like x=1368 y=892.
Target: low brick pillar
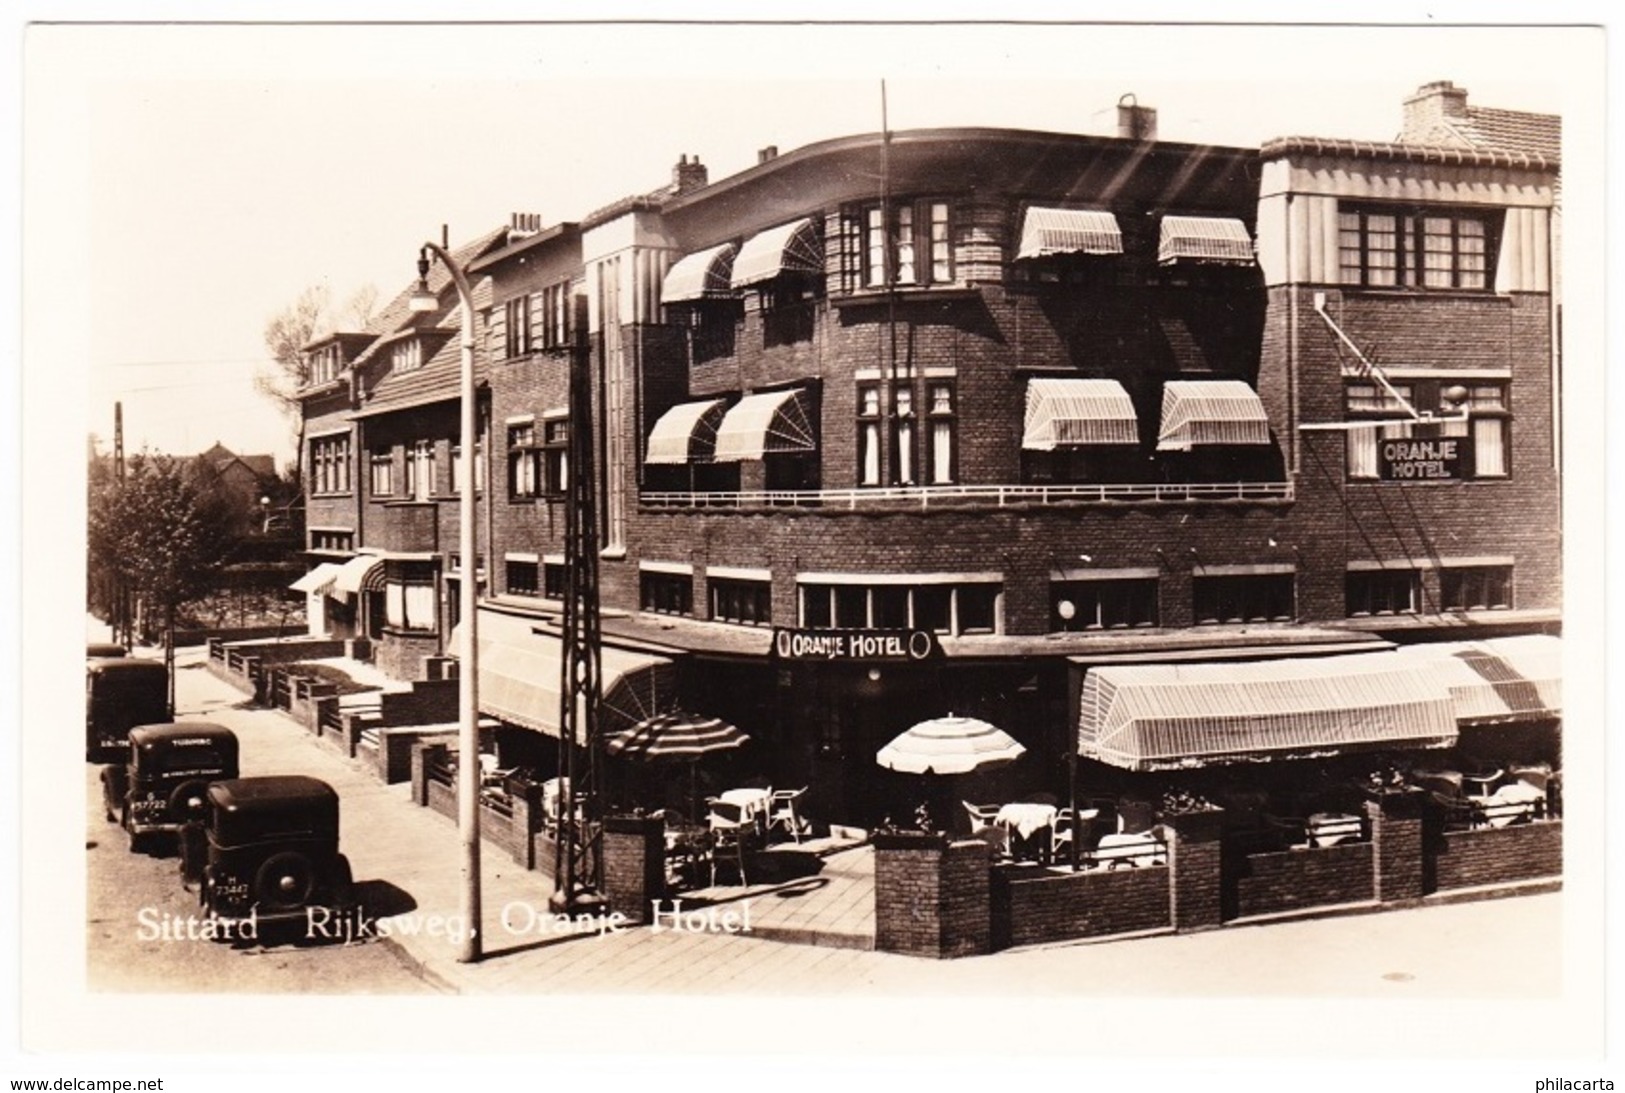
x=1195 y=860
x=423 y=754
x=358 y=648
x=1397 y=847
x=634 y=865
x=932 y=897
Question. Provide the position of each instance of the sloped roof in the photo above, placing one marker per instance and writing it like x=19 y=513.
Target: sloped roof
x=439 y=378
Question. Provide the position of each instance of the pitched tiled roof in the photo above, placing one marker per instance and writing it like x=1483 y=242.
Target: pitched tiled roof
x=1462 y=154
x=440 y=377
x=1514 y=132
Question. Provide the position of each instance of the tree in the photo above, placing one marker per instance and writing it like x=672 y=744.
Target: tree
x=286 y=335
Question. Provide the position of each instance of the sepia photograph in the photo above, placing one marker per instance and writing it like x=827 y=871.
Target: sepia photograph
x=1085 y=533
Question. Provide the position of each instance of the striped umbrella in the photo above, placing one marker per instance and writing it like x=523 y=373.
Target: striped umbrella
x=676 y=735
x=949 y=745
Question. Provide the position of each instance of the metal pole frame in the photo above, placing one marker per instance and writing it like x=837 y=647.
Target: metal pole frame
x=468 y=703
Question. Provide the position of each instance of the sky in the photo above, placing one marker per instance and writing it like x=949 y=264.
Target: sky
x=206 y=175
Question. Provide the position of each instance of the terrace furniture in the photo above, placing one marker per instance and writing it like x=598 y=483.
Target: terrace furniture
x=1024 y=821
x=1515 y=802
x=753 y=803
x=1332 y=828
x=1442 y=783
x=1132 y=849
x=1134 y=817
x=1063 y=833
x=981 y=816
x=1293 y=831
x=1483 y=780
x=1538 y=775
x=729 y=832
x=782 y=813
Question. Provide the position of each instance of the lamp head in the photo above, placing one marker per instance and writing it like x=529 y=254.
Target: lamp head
x=422 y=299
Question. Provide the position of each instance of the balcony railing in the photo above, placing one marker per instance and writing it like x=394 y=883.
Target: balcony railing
x=926 y=497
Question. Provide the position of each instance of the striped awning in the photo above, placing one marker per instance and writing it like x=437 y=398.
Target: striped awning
x=1219 y=239
x=686 y=433
x=1045 y=232
x=1498 y=680
x=1172 y=716
x=1074 y=412
x=788 y=248
x=1203 y=412
x=776 y=421
x=319 y=580
x=520 y=673
x=364 y=571
x=698 y=275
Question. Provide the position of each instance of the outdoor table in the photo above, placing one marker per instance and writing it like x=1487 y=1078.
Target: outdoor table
x=1024 y=820
x=1130 y=848
x=753 y=803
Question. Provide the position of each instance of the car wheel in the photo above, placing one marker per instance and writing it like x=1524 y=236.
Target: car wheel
x=188 y=801
x=285 y=881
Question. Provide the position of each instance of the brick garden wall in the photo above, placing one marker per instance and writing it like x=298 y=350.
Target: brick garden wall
x=1464 y=859
x=1031 y=909
x=1295 y=879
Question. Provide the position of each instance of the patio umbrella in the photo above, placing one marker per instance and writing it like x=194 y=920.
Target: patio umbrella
x=681 y=736
x=949 y=745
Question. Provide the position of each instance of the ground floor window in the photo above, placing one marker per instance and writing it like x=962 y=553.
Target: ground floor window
x=666 y=593
x=553 y=574
x=1103 y=604
x=409 y=597
x=1383 y=592
x=1251 y=597
x=1475 y=588
x=742 y=601
x=522 y=578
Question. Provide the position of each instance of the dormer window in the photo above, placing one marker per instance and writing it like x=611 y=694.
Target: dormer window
x=325 y=364
x=406 y=356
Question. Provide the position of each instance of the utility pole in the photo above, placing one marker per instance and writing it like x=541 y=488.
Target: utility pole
x=578 y=858
x=120 y=592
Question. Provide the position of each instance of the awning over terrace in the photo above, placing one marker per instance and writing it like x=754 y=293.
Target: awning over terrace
x=686 y=433
x=363 y=572
x=1172 y=716
x=699 y=275
x=1198 y=413
x=757 y=425
x=1498 y=679
x=520 y=676
x=1075 y=412
x=1219 y=239
x=1047 y=232
x=319 y=580
x=788 y=248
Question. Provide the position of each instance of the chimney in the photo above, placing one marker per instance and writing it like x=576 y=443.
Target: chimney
x=765 y=154
x=523 y=225
x=689 y=174
x=1433 y=105
x=1135 y=122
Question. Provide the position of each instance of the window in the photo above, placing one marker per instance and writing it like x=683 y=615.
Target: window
x=557 y=326
x=1384 y=247
x=903 y=436
x=420 y=470
x=946 y=608
x=666 y=593
x=520 y=578
x=330 y=465
x=516 y=327
x=553 y=574
x=409 y=596
x=741 y=601
x=556 y=456
x=917 y=245
x=332 y=540
x=324 y=365
x=1108 y=604
x=1488 y=422
x=383 y=472
x=940 y=421
x=1475 y=588
x=869 y=434
x=407 y=356
x=1265 y=597
x=524 y=462
x=479 y=466
x=1383 y=592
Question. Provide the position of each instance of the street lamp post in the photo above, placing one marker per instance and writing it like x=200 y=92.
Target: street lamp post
x=468 y=707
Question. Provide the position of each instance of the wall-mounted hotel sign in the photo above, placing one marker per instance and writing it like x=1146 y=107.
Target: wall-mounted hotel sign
x=1420 y=460
x=854 y=646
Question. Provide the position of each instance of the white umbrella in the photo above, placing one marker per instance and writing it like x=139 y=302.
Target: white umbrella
x=949 y=745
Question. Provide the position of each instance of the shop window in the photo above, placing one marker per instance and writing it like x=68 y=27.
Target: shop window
x=741 y=601
x=1475 y=588
x=1103 y=604
x=1383 y=592
x=521 y=578
x=666 y=593
x=1386 y=247
x=1262 y=597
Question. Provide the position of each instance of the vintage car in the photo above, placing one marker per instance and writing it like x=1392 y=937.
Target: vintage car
x=96 y=649
x=162 y=787
x=121 y=693
x=266 y=856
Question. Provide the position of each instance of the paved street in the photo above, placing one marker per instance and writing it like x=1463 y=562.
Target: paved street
x=405 y=860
